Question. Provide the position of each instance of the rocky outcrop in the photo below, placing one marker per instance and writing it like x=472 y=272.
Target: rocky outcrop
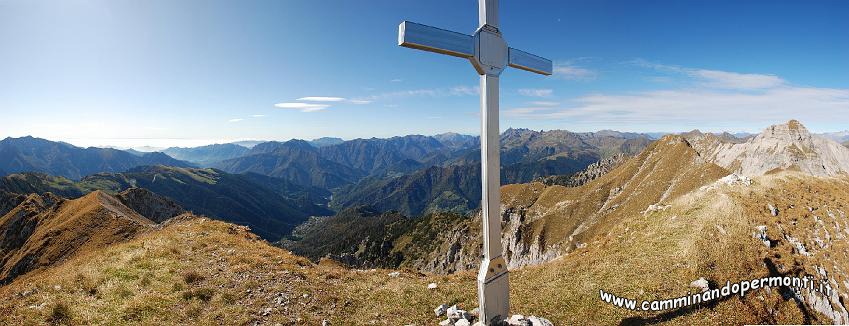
x=150 y=205
x=540 y=222
x=592 y=172
x=784 y=146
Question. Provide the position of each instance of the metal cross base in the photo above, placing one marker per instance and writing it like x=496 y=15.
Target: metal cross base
x=494 y=291
x=489 y=54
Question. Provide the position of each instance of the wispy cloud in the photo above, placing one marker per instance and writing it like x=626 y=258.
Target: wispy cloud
x=235 y=120
x=396 y=80
x=717 y=78
x=433 y=92
x=573 y=72
x=258 y=116
x=706 y=97
x=304 y=107
x=465 y=90
x=536 y=92
x=321 y=99
x=545 y=103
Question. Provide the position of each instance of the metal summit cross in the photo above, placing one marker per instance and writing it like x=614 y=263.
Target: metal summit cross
x=489 y=54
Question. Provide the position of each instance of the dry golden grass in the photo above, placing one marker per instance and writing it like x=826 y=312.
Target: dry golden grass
x=203 y=272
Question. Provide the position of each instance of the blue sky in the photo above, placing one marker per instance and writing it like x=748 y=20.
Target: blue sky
x=116 y=72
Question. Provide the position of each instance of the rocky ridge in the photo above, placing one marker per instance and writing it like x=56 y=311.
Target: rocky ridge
x=783 y=146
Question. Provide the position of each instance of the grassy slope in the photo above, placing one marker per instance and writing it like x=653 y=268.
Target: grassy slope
x=646 y=256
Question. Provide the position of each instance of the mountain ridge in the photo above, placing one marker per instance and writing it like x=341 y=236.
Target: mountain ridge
x=30 y=154
x=783 y=146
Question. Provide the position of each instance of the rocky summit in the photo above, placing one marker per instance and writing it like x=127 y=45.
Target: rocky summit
x=783 y=146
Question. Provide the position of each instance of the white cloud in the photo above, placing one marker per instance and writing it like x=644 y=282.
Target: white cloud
x=545 y=103
x=304 y=107
x=724 y=79
x=397 y=80
x=359 y=101
x=715 y=78
x=436 y=92
x=465 y=90
x=235 y=120
x=692 y=108
x=536 y=92
x=572 y=72
x=321 y=99
x=714 y=98
x=257 y=115
x=660 y=79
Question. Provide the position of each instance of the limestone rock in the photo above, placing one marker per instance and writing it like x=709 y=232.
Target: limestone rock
x=440 y=310
x=701 y=283
x=772 y=210
x=760 y=234
x=783 y=146
x=539 y=321
x=462 y=322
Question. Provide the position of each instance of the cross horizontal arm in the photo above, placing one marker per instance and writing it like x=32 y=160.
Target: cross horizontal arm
x=522 y=60
x=428 y=38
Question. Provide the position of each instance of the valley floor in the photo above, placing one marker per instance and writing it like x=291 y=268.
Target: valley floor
x=199 y=271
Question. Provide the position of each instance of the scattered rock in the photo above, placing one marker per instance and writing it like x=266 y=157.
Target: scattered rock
x=476 y=312
x=440 y=310
x=772 y=210
x=431 y=286
x=736 y=179
x=518 y=320
x=462 y=322
x=760 y=234
x=701 y=283
x=655 y=208
x=539 y=321
x=394 y=274
x=800 y=247
x=445 y=322
x=453 y=312
x=325 y=323
x=266 y=311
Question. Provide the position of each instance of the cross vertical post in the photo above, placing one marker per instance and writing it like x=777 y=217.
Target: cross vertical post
x=489 y=55
x=493 y=283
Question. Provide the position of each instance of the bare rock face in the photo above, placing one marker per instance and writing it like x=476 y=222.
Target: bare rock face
x=150 y=205
x=784 y=146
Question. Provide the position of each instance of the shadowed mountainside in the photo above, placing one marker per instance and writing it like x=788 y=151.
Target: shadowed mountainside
x=272 y=207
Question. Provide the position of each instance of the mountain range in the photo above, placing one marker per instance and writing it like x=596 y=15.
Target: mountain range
x=206 y=156
x=28 y=154
x=271 y=207
x=688 y=212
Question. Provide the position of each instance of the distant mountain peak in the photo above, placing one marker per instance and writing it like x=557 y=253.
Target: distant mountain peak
x=781 y=146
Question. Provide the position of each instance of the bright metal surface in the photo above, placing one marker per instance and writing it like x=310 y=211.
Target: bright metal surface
x=522 y=60
x=489 y=54
x=488 y=13
x=428 y=38
x=493 y=290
